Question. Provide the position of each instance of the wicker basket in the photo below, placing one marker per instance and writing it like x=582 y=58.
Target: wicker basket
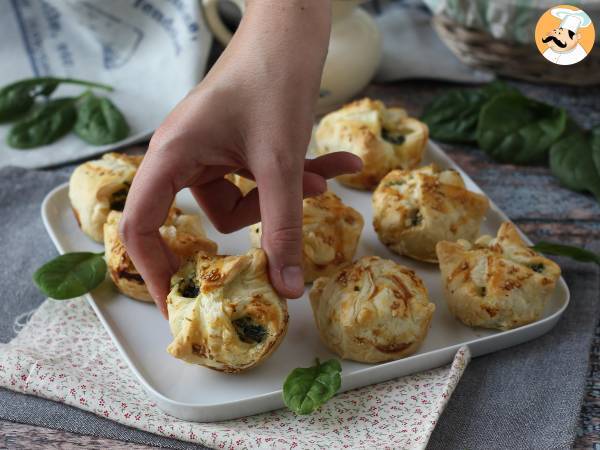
x=480 y=50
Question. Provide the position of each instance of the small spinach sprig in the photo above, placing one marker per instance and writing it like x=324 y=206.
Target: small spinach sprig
x=94 y=119
x=307 y=388
x=19 y=97
x=71 y=275
x=576 y=253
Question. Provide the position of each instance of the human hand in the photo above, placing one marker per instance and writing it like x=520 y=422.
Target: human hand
x=253 y=112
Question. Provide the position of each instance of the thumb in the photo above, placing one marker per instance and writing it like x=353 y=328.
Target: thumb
x=280 y=198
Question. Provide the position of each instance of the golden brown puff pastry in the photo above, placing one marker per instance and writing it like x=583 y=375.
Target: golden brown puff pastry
x=245 y=185
x=224 y=313
x=330 y=234
x=183 y=234
x=99 y=186
x=414 y=210
x=384 y=138
x=372 y=311
x=496 y=282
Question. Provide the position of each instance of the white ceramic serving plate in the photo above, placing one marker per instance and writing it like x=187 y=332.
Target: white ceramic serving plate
x=199 y=394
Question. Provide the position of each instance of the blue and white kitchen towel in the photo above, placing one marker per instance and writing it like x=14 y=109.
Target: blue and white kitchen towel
x=151 y=51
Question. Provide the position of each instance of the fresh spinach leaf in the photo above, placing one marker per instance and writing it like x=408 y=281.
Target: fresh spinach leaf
x=572 y=161
x=307 y=388
x=46 y=124
x=99 y=121
x=576 y=253
x=515 y=129
x=453 y=117
x=595 y=142
x=19 y=97
x=70 y=275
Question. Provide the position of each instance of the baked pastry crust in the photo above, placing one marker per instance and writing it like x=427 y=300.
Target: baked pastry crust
x=245 y=185
x=372 y=311
x=330 y=234
x=183 y=234
x=223 y=312
x=99 y=186
x=496 y=282
x=384 y=138
x=414 y=210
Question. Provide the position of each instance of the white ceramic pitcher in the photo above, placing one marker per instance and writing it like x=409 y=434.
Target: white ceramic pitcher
x=354 y=49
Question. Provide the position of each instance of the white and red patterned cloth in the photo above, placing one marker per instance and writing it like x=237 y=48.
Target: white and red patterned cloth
x=64 y=354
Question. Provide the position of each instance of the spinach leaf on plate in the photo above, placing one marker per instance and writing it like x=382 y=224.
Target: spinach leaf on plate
x=576 y=253
x=99 y=122
x=453 y=117
x=573 y=160
x=70 y=275
x=48 y=123
x=307 y=388
x=515 y=129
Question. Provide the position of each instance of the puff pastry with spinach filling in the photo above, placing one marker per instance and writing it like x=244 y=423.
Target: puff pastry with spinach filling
x=496 y=282
x=223 y=312
x=100 y=186
x=183 y=234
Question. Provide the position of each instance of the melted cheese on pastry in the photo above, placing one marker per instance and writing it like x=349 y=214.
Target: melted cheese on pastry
x=372 y=311
x=223 y=312
x=330 y=234
x=496 y=282
x=99 y=186
x=414 y=210
x=183 y=234
x=384 y=138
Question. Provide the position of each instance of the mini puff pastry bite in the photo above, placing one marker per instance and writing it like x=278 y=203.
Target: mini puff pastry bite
x=415 y=209
x=496 y=282
x=183 y=234
x=223 y=312
x=372 y=311
x=384 y=138
x=330 y=234
x=99 y=186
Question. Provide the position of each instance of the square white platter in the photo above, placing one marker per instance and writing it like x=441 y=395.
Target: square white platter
x=199 y=394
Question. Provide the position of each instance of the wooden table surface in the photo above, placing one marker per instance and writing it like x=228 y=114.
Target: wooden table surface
x=529 y=195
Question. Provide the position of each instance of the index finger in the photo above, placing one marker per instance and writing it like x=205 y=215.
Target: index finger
x=146 y=209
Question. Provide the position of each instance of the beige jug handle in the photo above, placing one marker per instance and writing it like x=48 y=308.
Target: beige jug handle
x=214 y=22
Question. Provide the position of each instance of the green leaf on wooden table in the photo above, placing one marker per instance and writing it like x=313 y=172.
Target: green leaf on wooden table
x=99 y=121
x=572 y=161
x=46 y=124
x=19 y=97
x=70 y=275
x=453 y=117
x=515 y=129
x=576 y=253
x=307 y=388
x=595 y=142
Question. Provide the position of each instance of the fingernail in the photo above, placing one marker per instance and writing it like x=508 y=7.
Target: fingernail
x=292 y=278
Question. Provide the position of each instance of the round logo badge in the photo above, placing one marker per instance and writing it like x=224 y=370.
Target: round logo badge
x=565 y=35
